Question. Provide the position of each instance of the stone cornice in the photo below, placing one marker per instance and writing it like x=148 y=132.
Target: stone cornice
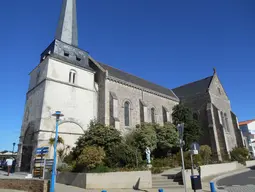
x=57 y=81
x=140 y=88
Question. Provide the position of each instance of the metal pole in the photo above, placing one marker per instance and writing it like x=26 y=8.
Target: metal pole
x=192 y=164
x=53 y=172
x=183 y=166
x=192 y=167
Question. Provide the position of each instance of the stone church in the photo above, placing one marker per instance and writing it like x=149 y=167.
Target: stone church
x=69 y=80
x=211 y=107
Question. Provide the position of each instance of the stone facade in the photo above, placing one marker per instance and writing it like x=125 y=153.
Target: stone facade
x=211 y=106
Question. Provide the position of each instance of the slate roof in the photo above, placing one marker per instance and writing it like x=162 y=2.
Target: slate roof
x=191 y=89
x=137 y=81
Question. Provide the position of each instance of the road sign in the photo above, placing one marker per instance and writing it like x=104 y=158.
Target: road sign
x=49 y=163
x=194 y=146
x=180 y=128
x=42 y=150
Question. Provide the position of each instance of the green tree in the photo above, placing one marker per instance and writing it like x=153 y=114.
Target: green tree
x=239 y=154
x=205 y=153
x=167 y=138
x=97 y=135
x=91 y=157
x=144 y=136
x=59 y=141
x=192 y=130
x=123 y=155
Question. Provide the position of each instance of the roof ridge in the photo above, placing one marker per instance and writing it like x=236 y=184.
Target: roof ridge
x=136 y=76
x=193 y=82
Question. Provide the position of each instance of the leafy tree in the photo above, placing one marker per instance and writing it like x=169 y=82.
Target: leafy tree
x=144 y=136
x=123 y=155
x=91 y=157
x=192 y=130
x=181 y=114
x=59 y=141
x=205 y=153
x=239 y=154
x=97 y=135
x=167 y=138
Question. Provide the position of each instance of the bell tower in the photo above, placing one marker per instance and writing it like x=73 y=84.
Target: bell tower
x=63 y=81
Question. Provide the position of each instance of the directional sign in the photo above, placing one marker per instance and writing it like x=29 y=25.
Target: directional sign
x=49 y=163
x=180 y=128
x=42 y=150
x=194 y=146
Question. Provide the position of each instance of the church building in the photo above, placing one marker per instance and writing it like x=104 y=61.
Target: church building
x=69 y=80
x=211 y=107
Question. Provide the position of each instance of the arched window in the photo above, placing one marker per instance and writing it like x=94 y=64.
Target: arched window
x=72 y=76
x=127 y=113
x=152 y=115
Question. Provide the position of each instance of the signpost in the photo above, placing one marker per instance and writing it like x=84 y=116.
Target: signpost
x=39 y=169
x=195 y=179
x=180 y=128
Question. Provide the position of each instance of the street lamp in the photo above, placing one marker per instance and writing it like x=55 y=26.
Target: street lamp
x=180 y=128
x=53 y=172
x=13 y=145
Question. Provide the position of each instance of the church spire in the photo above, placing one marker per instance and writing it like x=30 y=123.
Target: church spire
x=67 y=30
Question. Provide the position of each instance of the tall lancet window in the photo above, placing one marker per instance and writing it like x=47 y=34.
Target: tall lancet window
x=72 y=76
x=127 y=113
x=226 y=122
x=153 y=115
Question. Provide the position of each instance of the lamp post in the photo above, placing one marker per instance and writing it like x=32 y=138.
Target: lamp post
x=13 y=145
x=53 y=172
x=180 y=128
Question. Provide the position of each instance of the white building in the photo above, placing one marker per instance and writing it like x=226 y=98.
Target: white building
x=248 y=130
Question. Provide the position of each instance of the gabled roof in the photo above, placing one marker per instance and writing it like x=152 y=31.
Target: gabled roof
x=138 y=81
x=191 y=89
x=246 y=122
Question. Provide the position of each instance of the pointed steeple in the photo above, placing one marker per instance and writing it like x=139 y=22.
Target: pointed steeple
x=67 y=30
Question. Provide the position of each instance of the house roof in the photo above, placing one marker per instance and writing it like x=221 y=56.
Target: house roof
x=137 y=81
x=193 y=88
x=246 y=122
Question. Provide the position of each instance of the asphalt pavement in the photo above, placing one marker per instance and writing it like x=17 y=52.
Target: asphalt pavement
x=242 y=182
x=245 y=178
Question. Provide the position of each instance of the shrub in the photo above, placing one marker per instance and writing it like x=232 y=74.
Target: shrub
x=63 y=167
x=97 y=135
x=156 y=170
x=239 y=154
x=165 y=162
x=197 y=160
x=91 y=157
x=206 y=154
x=101 y=169
x=123 y=155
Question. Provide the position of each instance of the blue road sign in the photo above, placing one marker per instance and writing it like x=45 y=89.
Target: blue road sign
x=195 y=146
x=42 y=150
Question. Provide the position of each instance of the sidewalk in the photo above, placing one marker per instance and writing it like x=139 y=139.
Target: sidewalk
x=66 y=188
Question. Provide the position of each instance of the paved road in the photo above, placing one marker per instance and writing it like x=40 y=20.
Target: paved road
x=242 y=182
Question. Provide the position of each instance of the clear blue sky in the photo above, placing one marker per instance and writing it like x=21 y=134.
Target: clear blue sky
x=168 y=42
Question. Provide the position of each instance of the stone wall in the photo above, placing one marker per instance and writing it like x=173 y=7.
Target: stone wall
x=135 y=96
x=28 y=185
x=114 y=180
x=221 y=101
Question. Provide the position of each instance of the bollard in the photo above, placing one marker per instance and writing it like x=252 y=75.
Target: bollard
x=212 y=187
x=161 y=190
